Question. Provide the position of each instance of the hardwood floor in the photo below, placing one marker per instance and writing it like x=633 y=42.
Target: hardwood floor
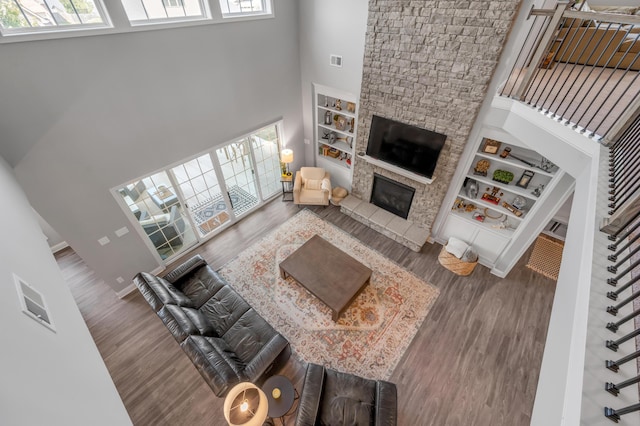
x=474 y=361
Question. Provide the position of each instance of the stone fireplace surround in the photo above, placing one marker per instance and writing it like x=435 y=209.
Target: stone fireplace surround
x=427 y=64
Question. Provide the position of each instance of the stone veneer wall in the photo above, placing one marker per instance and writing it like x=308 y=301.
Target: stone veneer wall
x=428 y=63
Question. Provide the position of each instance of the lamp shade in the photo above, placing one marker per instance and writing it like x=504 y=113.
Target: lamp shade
x=245 y=405
x=286 y=156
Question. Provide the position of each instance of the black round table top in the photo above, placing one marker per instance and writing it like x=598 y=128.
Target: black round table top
x=279 y=407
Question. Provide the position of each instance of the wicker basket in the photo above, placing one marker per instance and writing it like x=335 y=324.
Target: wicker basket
x=454 y=264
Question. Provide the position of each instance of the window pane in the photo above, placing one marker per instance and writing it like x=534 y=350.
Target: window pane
x=48 y=13
x=145 y=10
x=241 y=7
x=11 y=16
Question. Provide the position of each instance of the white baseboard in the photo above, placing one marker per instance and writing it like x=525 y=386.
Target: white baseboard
x=59 y=246
x=125 y=291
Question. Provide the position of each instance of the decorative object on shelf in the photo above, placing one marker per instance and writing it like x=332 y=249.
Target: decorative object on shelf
x=538 y=190
x=331 y=138
x=505 y=152
x=338 y=104
x=352 y=125
x=351 y=107
x=498 y=216
x=458 y=204
x=546 y=165
x=482 y=167
x=479 y=217
x=333 y=153
x=503 y=176
x=350 y=141
x=469 y=207
x=519 y=202
x=524 y=180
x=327 y=118
x=511 y=208
x=245 y=405
x=341 y=122
x=286 y=157
x=491 y=146
x=493 y=197
x=522 y=160
x=471 y=187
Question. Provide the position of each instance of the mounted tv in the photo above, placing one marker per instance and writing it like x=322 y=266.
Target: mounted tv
x=409 y=147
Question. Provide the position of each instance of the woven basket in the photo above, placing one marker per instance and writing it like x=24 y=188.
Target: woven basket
x=454 y=264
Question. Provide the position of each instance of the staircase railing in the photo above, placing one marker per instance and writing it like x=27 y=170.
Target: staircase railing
x=580 y=68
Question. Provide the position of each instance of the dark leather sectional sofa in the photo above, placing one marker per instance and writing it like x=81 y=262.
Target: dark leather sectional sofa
x=223 y=336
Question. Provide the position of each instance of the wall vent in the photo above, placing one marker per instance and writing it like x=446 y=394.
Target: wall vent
x=335 y=60
x=33 y=304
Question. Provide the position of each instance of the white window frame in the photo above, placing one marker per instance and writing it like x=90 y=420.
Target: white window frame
x=51 y=29
x=205 y=16
x=266 y=10
x=117 y=22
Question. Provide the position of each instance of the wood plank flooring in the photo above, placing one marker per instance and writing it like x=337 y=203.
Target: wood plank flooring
x=474 y=361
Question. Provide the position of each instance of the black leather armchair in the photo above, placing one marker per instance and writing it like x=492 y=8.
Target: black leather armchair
x=224 y=337
x=330 y=397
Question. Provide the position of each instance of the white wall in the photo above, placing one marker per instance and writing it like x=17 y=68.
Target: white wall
x=47 y=378
x=106 y=109
x=330 y=27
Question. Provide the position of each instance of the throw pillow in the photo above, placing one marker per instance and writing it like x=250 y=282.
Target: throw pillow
x=313 y=184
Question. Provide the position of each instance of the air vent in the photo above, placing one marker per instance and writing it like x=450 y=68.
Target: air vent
x=33 y=304
x=335 y=60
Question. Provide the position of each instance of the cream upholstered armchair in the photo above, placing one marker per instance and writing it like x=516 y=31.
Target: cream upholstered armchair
x=312 y=186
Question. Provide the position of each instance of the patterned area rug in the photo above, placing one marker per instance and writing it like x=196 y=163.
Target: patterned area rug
x=370 y=336
x=241 y=201
x=546 y=256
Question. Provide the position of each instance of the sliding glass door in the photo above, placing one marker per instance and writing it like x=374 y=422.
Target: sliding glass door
x=154 y=203
x=239 y=176
x=175 y=208
x=203 y=196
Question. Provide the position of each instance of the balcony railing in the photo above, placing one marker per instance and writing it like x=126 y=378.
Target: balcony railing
x=580 y=68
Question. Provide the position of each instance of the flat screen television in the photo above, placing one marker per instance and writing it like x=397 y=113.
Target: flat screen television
x=409 y=147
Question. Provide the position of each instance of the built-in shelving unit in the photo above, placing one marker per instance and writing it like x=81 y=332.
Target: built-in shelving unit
x=335 y=123
x=479 y=214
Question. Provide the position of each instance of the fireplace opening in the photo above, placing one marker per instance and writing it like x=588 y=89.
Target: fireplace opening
x=394 y=197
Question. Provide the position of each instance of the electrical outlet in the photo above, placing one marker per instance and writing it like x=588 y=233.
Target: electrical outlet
x=307 y=142
x=104 y=241
x=120 y=280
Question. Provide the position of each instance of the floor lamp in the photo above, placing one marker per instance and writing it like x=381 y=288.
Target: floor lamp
x=286 y=156
x=245 y=405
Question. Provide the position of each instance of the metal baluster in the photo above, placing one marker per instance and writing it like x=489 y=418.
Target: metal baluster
x=613 y=310
x=613 y=295
x=614 y=415
x=614 y=389
x=615 y=365
x=614 y=268
x=613 y=246
x=615 y=344
x=613 y=326
x=614 y=280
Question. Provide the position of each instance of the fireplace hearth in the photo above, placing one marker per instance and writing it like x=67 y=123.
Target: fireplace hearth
x=394 y=197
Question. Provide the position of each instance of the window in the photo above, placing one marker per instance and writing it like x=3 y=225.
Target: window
x=26 y=16
x=235 y=8
x=157 y=11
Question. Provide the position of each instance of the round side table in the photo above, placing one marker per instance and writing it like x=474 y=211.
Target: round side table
x=279 y=407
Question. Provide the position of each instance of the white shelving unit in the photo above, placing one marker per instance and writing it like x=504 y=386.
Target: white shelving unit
x=490 y=226
x=335 y=125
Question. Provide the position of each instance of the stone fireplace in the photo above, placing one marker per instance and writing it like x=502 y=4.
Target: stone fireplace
x=430 y=67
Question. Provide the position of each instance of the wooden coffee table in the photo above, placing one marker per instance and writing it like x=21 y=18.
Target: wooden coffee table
x=327 y=272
